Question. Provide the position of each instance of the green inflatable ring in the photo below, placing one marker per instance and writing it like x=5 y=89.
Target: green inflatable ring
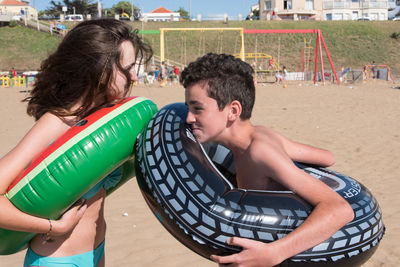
x=77 y=161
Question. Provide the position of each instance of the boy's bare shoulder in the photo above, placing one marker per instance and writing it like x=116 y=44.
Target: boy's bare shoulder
x=265 y=143
x=265 y=134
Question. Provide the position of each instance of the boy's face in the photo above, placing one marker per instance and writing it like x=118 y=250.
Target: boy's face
x=204 y=116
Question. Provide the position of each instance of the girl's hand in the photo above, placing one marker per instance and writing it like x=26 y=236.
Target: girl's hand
x=254 y=254
x=69 y=219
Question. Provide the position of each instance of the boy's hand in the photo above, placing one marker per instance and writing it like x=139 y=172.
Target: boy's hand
x=254 y=254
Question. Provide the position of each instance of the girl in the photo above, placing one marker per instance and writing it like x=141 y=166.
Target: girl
x=93 y=67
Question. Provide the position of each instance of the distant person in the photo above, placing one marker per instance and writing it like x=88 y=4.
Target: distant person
x=284 y=76
x=170 y=73
x=51 y=27
x=151 y=76
x=271 y=63
x=278 y=77
x=13 y=73
x=157 y=74
x=61 y=28
x=163 y=70
x=365 y=73
x=373 y=68
x=176 y=72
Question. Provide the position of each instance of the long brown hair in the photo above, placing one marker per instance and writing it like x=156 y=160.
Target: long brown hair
x=81 y=69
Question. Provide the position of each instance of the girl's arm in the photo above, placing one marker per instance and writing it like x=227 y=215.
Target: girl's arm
x=12 y=218
x=46 y=130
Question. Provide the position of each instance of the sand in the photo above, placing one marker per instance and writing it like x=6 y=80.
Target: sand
x=359 y=123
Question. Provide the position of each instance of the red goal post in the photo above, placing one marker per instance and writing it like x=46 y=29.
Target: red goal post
x=318 y=49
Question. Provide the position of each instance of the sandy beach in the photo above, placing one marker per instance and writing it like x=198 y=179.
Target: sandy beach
x=359 y=123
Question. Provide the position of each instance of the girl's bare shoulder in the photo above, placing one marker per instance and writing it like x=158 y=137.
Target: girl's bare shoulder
x=47 y=129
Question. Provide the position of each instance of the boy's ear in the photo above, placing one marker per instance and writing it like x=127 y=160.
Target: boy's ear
x=235 y=110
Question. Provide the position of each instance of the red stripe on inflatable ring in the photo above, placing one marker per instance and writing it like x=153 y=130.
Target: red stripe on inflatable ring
x=73 y=131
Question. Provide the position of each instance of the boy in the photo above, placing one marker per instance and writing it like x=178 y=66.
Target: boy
x=220 y=93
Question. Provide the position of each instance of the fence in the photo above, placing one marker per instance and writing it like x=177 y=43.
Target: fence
x=18 y=81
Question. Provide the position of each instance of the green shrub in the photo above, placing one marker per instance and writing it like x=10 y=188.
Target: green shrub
x=13 y=23
x=395 y=35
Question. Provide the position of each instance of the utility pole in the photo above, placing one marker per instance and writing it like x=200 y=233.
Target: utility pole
x=132 y=17
x=74 y=14
x=190 y=10
x=244 y=11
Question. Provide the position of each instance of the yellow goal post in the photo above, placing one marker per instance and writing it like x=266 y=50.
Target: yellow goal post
x=164 y=30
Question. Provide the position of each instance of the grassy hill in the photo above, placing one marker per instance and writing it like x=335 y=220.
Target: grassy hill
x=351 y=43
x=24 y=48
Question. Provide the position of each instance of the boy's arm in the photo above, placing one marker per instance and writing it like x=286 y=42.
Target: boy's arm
x=307 y=154
x=330 y=213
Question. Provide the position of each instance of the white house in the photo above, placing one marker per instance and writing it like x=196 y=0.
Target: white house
x=17 y=8
x=161 y=14
x=355 y=9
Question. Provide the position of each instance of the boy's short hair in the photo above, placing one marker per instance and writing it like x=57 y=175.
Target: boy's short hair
x=227 y=79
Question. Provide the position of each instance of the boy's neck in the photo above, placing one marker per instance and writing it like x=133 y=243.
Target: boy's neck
x=238 y=136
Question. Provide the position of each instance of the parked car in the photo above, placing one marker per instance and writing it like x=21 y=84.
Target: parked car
x=364 y=19
x=76 y=17
x=397 y=18
x=45 y=17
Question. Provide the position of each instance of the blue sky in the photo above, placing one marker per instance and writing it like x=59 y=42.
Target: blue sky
x=204 y=7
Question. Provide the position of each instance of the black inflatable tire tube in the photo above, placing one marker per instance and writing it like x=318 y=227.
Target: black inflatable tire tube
x=201 y=208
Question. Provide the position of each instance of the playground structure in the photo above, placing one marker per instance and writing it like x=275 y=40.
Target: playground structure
x=190 y=43
x=19 y=81
x=267 y=50
x=281 y=51
x=381 y=72
x=264 y=61
x=124 y=16
x=306 y=58
x=264 y=65
x=198 y=38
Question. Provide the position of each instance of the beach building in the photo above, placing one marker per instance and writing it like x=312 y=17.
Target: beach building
x=290 y=9
x=161 y=14
x=355 y=9
x=324 y=9
x=17 y=8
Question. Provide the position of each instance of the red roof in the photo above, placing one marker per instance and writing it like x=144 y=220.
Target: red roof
x=12 y=3
x=161 y=10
